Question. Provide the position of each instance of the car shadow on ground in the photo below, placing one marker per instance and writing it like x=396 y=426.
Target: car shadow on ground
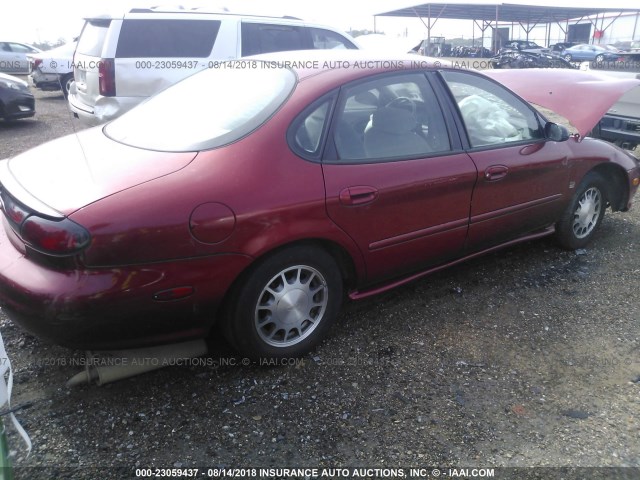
x=53 y=98
x=18 y=125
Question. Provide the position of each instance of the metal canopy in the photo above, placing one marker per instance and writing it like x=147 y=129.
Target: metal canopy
x=503 y=12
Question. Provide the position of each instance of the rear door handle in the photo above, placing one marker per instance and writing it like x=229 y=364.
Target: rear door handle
x=358 y=195
x=496 y=172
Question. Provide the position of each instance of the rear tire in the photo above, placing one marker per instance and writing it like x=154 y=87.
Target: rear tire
x=65 y=84
x=599 y=58
x=583 y=216
x=567 y=57
x=285 y=305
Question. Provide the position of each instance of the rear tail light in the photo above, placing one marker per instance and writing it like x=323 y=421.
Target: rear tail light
x=62 y=237
x=36 y=62
x=59 y=237
x=107 y=77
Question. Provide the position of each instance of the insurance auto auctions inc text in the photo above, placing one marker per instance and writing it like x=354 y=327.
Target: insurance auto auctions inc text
x=352 y=472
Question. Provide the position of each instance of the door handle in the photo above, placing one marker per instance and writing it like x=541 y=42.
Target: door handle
x=496 y=172
x=358 y=195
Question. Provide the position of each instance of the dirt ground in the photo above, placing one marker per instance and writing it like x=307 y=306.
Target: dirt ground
x=529 y=357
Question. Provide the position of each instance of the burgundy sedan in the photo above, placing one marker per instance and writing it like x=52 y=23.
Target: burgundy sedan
x=258 y=194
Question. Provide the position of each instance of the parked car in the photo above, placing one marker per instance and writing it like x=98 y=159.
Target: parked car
x=16 y=100
x=471 y=52
x=612 y=48
x=256 y=197
x=591 y=53
x=433 y=47
x=53 y=69
x=13 y=57
x=520 y=59
x=632 y=55
x=559 y=47
x=523 y=46
x=120 y=61
x=621 y=123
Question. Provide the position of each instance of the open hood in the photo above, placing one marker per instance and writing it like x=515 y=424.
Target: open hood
x=582 y=97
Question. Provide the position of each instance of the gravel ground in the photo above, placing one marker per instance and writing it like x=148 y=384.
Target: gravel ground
x=526 y=357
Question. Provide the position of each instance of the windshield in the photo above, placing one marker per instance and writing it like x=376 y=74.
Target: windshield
x=209 y=109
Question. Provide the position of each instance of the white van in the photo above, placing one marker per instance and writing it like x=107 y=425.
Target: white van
x=122 y=60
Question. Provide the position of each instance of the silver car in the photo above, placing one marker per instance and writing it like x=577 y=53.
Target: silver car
x=53 y=69
x=13 y=57
x=122 y=60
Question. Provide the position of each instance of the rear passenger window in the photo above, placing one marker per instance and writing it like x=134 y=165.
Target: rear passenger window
x=391 y=117
x=264 y=38
x=309 y=128
x=167 y=38
x=326 y=39
x=92 y=37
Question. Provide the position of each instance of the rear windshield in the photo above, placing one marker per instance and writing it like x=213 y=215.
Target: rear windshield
x=167 y=38
x=207 y=110
x=92 y=37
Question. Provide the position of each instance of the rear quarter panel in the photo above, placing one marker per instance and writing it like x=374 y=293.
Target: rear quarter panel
x=277 y=199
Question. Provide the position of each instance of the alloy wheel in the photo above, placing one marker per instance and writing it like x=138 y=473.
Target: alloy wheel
x=291 y=305
x=585 y=218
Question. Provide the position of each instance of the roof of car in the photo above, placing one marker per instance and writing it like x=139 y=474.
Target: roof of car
x=147 y=13
x=117 y=13
x=553 y=88
x=307 y=63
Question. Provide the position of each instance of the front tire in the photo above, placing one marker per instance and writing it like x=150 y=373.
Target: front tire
x=584 y=214
x=567 y=57
x=285 y=305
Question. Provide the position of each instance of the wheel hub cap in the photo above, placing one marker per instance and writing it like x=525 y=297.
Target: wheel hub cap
x=291 y=306
x=587 y=213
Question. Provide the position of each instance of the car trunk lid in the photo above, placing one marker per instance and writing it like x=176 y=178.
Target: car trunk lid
x=84 y=168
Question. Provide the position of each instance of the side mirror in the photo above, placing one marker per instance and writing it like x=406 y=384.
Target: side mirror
x=556 y=132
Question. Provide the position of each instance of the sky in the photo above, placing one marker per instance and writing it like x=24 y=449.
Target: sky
x=47 y=20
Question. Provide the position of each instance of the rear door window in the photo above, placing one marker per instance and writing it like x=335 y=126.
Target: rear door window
x=390 y=117
x=167 y=38
x=92 y=37
x=265 y=38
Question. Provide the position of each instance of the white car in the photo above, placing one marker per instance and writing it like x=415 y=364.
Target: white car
x=122 y=60
x=52 y=69
x=13 y=57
